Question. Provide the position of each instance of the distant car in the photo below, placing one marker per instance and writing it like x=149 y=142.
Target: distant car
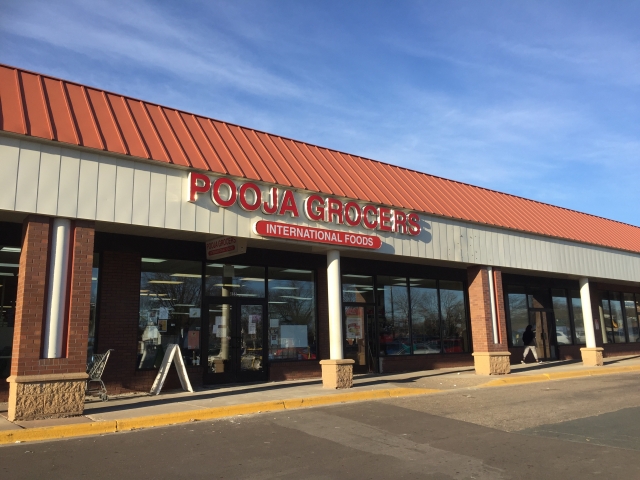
x=562 y=338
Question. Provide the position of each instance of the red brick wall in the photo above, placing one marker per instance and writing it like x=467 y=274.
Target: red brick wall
x=32 y=282
x=279 y=371
x=32 y=292
x=480 y=310
x=118 y=312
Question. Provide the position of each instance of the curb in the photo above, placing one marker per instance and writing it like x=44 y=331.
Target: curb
x=113 y=426
x=546 y=377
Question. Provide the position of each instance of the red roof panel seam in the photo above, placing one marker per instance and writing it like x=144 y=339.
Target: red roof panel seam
x=94 y=119
x=249 y=151
x=272 y=165
x=192 y=140
x=354 y=191
x=137 y=128
x=173 y=133
x=21 y=100
x=70 y=114
x=213 y=150
x=285 y=167
x=154 y=129
x=308 y=184
x=321 y=170
x=226 y=148
x=116 y=125
x=265 y=164
x=371 y=194
x=312 y=173
x=366 y=174
x=429 y=206
x=46 y=107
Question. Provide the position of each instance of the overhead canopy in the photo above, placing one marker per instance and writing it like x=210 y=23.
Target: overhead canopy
x=41 y=106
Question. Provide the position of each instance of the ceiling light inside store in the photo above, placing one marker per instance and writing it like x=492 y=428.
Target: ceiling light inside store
x=246 y=294
x=284 y=288
x=184 y=305
x=292 y=270
x=252 y=279
x=186 y=275
x=228 y=285
x=277 y=302
x=294 y=297
x=9 y=265
x=350 y=275
x=5 y=274
x=152 y=260
x=167 y=282
x=10 y=249
x=215 y=265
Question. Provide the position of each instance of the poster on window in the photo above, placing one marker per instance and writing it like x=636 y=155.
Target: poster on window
x=354 y=326
x=253 y=323
x=162 y=326
x=163 y=313
x=293 y=336
x=193 y=342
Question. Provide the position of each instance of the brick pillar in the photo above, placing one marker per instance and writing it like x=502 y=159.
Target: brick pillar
x=49 y=388
x=490 y=358
x=117 y=328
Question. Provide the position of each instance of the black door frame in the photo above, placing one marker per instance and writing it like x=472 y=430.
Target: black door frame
x=372 y=363
x=550 y=330
x=235 y=373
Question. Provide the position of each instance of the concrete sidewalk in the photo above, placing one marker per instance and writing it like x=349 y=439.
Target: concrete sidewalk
x=127 y=412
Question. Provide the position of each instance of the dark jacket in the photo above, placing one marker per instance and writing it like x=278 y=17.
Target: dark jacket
x=528 y=337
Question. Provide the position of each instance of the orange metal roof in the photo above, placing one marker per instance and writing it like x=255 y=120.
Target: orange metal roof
x=41 y=106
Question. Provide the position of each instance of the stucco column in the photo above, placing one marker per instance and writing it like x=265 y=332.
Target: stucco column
x=336 y=372
x=488 y=321
x=591 y=355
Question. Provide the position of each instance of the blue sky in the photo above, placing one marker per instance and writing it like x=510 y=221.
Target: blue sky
x=539 y=99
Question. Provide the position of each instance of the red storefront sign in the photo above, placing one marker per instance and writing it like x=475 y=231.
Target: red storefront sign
x=317 y=235
x=282 y=202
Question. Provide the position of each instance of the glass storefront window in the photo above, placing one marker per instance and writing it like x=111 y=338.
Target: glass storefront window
x=425 y=318
x=9 y=265
x=170 y=302
x=518 y=313
x=393 y=316
x=92 y=306
x=630 y=310
x=615 y=328
x=454 y=321
x=578 y=320
x=561 y=314
x=292 y=314
x=241 y=280
x=357 y=288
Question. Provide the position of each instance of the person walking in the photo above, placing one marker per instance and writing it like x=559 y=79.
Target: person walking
x=529 y=340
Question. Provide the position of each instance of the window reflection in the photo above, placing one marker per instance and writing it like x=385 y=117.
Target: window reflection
x=425 y=319
x=561 y=314
x=91 y=344
x=292 y=314
x=9 y=265
x=631 y=316
x=357 y=288
x=578 y=320
x=518 y=313
x=243 y=281
x=170 y=300
x=454 y=321
x=393 y=316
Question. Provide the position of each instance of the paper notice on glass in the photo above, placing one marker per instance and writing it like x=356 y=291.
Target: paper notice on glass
x=252 y=329
x=274 y=340
x=163 y=313
x=214 y=330
x=354 y=327
x=219 y=320
x=253 y=323
x=274 y=322
x=193 y=342
x=194 y=312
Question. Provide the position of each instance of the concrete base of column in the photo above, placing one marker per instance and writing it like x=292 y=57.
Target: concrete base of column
x=35 y=397
x=592 y=357
x=492 y=363
x=337 y=373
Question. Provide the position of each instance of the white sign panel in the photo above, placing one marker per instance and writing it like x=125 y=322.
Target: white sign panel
x=225 y=247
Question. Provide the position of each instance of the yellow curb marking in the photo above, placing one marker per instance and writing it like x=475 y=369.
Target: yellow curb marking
x=113 y=426
x=545 y=377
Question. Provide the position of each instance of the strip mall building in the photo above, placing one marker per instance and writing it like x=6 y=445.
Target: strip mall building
x=130 y=226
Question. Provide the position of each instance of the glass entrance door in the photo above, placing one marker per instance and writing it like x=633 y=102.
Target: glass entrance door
x=359 y=324
x=235 y=340
x=541 y=321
